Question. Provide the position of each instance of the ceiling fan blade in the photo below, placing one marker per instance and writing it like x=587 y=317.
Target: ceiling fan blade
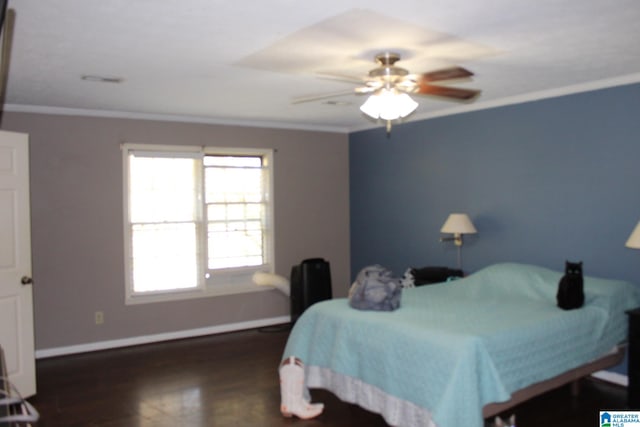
x=317 y=97
x=348 y=78
x=447 y=92
x=445 y=74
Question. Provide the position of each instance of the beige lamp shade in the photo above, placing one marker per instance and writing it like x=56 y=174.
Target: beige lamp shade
x=458 y=223
x=634 y=238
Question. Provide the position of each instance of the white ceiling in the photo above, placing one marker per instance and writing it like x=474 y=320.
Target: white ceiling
x=242 y=62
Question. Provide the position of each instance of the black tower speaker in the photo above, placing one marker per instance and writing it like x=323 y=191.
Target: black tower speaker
x=310 y=283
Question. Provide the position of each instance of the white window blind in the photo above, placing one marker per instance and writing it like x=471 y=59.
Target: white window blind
x=236 y=210
x=164 y=219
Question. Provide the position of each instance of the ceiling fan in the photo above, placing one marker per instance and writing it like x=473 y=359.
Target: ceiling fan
x=390 y=86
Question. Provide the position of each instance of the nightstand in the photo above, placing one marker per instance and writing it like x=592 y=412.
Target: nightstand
x=633 y=390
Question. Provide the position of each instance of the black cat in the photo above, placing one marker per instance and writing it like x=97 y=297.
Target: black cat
x=571 y=287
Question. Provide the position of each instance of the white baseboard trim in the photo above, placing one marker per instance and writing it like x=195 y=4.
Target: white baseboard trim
x=147 y=339
x=612 y=377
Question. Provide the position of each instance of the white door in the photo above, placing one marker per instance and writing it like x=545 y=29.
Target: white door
x=16 y=304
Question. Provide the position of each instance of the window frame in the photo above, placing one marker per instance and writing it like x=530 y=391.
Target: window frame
x=227 y=281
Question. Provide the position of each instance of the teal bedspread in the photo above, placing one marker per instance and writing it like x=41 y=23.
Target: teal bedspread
x=453 y=347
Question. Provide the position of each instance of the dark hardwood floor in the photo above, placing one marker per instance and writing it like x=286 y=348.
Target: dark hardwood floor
x=232 y=380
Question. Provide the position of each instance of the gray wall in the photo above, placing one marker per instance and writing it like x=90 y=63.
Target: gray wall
x=77 y=223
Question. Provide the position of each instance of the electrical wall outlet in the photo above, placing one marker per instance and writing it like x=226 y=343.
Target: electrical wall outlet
x=99 y=317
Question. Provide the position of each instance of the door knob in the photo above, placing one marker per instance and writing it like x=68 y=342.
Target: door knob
x=26 y=280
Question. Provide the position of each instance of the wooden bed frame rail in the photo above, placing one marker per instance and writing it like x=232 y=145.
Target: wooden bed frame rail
x=609 y=360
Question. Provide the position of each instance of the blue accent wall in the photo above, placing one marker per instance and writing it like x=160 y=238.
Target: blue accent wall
x=543 y=182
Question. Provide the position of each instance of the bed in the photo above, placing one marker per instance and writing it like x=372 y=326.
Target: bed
x=457 y=352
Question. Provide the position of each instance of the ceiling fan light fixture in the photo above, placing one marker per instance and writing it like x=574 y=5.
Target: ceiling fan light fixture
x=388 y=104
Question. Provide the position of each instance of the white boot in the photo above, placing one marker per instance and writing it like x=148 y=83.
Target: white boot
x=291 y=391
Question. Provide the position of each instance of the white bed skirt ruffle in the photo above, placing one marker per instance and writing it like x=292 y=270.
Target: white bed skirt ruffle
x=395 y=411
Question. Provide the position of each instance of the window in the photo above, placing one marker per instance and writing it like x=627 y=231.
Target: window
x=198 y=221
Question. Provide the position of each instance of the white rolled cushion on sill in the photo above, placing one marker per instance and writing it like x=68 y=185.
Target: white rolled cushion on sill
x=271 y=279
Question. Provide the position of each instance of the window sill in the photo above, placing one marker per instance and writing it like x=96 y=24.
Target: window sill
x=211 y=291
